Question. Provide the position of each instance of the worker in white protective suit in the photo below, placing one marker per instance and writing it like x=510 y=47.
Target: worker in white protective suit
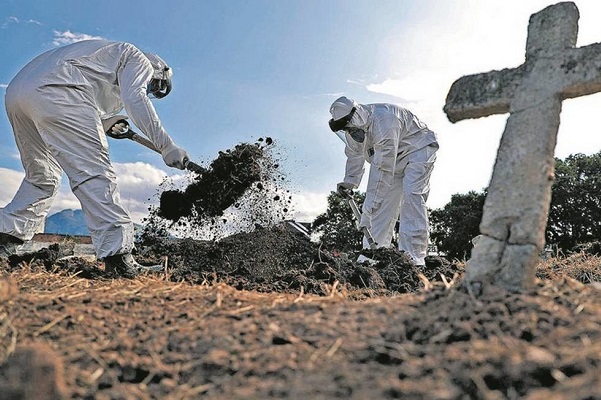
x=401 y=151
x=56 y=105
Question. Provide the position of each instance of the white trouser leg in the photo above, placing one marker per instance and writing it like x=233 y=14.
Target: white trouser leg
x=24 y=215
x=111 y=228
x=69 y=123
x=383 y=218
x=414 y=225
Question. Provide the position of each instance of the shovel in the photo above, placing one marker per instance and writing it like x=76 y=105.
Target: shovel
x=128 y=133
x=348 y=196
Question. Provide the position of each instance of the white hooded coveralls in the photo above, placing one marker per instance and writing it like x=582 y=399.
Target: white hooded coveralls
x=402 y=151
x=55 y=105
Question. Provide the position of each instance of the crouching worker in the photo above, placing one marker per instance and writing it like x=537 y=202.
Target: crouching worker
x=56 y=105
x=401 y=150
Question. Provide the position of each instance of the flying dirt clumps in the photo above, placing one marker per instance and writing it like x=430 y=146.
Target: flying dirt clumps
x=243 y=187
x=226 y=180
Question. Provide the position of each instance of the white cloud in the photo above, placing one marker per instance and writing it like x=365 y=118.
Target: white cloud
x=390 y=87
x=10 y=183
x=14 y=20
x=137 y=174
x=308 y=205
x=68 y=37
x=421 y=86
x=3 y=85
x=138 y=183
x=10 y=20
x=64 y=199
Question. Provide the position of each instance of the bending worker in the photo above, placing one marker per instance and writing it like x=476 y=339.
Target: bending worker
x=401 y=150
x=56 y=105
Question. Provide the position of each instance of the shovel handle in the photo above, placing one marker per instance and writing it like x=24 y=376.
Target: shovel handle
x=347 y=194
x=127 y=133
x=192 y=166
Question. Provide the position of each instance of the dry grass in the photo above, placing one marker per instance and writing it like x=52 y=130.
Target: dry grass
x=583 y=267
x=107 y=329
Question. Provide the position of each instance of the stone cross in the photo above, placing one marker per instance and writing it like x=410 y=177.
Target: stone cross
x=517 y=205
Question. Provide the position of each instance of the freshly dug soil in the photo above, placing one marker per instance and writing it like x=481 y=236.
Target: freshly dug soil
x=227 y=178
x=262 y=312
x=280 y=259
x=155 y=338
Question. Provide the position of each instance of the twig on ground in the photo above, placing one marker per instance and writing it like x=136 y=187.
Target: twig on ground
x=49 y=325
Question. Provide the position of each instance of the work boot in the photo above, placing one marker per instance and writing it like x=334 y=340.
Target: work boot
x=8 y=244
x=124 y=265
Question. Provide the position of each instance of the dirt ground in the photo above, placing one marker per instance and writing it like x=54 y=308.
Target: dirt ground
x=265 y=313
x=269 y=314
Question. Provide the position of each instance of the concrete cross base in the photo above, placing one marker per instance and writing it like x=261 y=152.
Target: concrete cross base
x=510 y=266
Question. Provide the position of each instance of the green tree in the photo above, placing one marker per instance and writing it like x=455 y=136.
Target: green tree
x=575 y=212
x=453 y=227
x=337 y=225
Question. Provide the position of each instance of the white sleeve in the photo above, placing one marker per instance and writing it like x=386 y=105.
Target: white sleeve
x=133 y=78
x=355 y=162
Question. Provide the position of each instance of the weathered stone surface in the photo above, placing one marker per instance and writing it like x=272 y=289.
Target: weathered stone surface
x=552 y=30
x=517 y=205
x=482 y=95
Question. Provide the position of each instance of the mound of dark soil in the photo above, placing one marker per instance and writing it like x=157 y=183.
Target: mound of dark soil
x=280 y=259
x=47 y=256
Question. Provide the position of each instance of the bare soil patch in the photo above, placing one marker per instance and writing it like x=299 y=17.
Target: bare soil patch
x=255 y=329
x=265 y=313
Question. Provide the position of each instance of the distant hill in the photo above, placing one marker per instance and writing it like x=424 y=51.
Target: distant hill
x=71 y=222
x=67 y=222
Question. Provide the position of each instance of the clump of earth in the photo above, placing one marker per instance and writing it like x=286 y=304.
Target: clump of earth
x=226 y=180
x=243 y=187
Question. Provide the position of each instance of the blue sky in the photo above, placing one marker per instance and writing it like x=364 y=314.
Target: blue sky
x=250 y=69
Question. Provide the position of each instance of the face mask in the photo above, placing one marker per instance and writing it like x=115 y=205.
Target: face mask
x=340 y=124
x=358 y=135
x=159 y=87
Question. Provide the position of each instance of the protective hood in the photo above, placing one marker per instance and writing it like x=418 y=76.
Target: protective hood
x=342 y=107
x=348 y=113
x=160 y=84
x=161 y=69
